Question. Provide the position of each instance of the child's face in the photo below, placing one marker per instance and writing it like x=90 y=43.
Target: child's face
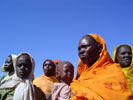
x=23 y=66
x=66 y=73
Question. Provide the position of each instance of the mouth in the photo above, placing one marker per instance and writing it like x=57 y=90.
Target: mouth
x=127 y=59
x=82 y=56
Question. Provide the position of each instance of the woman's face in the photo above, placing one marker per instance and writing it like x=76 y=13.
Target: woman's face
x=124 y=56
x=23 y=66
x=9 y=65
x=49 y=68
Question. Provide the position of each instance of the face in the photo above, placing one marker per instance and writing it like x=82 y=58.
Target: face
x=49 y=68
x=23 y=66
x=66 y=72
x=9 y=65
x=124 y=56
x=88 y=50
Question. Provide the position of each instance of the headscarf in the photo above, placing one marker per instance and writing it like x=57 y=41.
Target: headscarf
x=23 y=85
x=45 y=83
x=128 y=71
x=103 y=80
x=56 y=61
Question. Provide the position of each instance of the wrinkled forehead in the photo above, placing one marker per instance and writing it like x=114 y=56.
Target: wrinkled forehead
x=124 y=48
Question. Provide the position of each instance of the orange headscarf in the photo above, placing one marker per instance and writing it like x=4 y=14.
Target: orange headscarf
x=104 y=80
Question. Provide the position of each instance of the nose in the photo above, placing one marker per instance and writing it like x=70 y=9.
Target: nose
x=5 y=64
x=127 y=55
x=81 y=51
x=22 y=67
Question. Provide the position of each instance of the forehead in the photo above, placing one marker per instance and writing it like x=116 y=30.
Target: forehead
x=67 y=66
x=23 y=58
x=124 y=49
x=87 y=40
x=48 y=62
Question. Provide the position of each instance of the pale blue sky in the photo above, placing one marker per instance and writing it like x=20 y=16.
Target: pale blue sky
x=51 y=29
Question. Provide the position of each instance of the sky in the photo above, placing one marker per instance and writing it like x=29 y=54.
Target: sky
x=51 y=29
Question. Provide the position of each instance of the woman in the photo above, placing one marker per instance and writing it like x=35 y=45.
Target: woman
x=123 y=54
x=98 y=77
x=8 y=67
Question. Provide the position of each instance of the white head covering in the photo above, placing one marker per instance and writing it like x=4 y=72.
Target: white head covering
x=24 y=89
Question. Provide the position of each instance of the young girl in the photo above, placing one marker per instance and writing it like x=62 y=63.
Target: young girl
x=64 y=73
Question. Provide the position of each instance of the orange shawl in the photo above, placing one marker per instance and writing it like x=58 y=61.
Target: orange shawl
x=104 y=80
x=45 y=83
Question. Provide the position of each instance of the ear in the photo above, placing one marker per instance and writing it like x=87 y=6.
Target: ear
x=99 y=48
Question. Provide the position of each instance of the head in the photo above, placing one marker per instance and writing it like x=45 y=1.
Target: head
x=56 y=62
x=49 y=67
x=89 y=50
x=8 y=66
x=65 y=72
x=124 y=55
x=24 y=65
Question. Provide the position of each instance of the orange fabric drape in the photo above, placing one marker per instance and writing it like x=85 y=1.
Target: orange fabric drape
x=45 y=83
x=128 y=71
x=104 y=80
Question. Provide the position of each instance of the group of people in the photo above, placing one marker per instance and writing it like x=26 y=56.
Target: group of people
x=99 y=77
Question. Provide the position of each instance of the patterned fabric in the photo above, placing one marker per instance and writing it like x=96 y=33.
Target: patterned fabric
x=128 y=71
x=7 y=94
x=104 y=80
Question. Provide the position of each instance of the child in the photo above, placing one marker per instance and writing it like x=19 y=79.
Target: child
x=64 y=73
x=19 y=85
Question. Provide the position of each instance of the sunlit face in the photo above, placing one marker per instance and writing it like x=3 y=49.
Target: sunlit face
x=66 y=72
x=124 y=56
x=88 y=50
x=23 y=66
x=9 y=65
x=49 y=68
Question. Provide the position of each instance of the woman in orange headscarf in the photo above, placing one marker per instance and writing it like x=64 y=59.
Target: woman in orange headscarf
x=98 y=78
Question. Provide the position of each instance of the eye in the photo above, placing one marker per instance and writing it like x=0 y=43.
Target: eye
x=123 y=53
x=79 y=48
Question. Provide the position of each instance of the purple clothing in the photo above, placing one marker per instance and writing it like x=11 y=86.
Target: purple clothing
x=61 y=91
